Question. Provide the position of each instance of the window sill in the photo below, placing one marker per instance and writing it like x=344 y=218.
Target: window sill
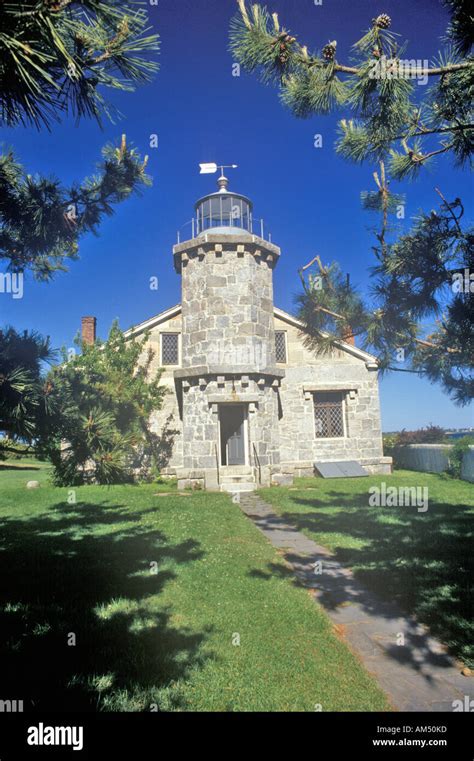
x=330 y=438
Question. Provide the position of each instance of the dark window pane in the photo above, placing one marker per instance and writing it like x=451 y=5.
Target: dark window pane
x=236 y=212
x=226 y=210
x=169 y=348
x=216 y=212
x=328 y=414
x=280 y=346
x=206 y=210
x=245 y=215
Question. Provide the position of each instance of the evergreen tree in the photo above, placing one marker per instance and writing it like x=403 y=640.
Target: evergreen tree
x=58 y=56
x=423 y=275
x=24 y=397
x=378 y=87
x=404 y=299
x=100 y=404
x=41 y=221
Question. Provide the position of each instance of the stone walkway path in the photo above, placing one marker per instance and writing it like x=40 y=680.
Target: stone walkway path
x=416 y=676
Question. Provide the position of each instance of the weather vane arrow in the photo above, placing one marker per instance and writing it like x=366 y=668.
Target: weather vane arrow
x=212 y=168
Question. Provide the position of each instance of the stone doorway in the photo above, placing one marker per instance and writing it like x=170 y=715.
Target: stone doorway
x=233 y=430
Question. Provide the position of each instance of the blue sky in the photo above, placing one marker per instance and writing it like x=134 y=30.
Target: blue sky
x=309 y=198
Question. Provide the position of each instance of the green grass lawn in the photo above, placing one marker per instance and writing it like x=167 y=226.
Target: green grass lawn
x=423 y=560
x=155 y=589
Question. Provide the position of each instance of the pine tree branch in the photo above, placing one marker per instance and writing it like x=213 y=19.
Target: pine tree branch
x=421 y=341
x=425 y=156
x=56 y=57
x=403 y=370
x=310 y=62
x=451 y=211
x=439 y=131
x=439 y=70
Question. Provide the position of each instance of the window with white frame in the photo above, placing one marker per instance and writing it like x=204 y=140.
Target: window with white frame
x=329 y=414
x=170 y=348
x=280 y=346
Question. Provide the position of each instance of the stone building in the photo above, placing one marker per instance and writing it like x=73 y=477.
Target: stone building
x=247 y=402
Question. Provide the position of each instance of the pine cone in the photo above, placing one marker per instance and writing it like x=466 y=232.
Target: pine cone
x=383 y=21
x=283 y=41
x=329 y=50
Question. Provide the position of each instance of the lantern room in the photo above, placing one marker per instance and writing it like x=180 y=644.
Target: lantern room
x=223 y=211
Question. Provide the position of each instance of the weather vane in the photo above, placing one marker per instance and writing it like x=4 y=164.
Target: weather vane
x=212 y=168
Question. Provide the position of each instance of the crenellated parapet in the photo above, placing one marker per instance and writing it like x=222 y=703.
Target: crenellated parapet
x=211 y=245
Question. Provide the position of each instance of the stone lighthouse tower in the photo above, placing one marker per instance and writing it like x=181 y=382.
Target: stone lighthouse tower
x=228 y=384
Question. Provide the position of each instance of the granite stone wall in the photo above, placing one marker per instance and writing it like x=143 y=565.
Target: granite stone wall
x=227 y=327
x=340 y=370
x=227 y=303
x=228 y=345
x=166 y=423
x=363 y=438
x=280 y=410
x=201 y=402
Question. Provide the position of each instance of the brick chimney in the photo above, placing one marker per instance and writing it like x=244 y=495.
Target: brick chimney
x=348 y=336
x=88 y=330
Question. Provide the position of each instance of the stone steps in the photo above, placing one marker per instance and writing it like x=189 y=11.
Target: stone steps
x=238 y=485
x=237 y=478
x=235 y=470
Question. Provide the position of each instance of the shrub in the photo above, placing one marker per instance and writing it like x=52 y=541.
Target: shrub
x=389 y=442
x=456 y=455
x=104 y=398
x=432 y=434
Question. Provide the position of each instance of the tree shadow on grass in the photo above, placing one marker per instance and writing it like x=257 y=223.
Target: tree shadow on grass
x=85 y=571
x=19 y=468
x=420 y=561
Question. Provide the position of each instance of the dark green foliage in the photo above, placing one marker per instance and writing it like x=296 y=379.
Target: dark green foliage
x=420 y=278
x=388 y=121
x=74 y=403
x=58 y=56
x=432 y=434
x=313 y=91
x=41 y=221
x=384 y=105
x=330 y=307
x=261 y=45
x=14 y=450
x=456 y=455
x=103 y=400
x=24 y=396
x=417 y=281
x=461 y=28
